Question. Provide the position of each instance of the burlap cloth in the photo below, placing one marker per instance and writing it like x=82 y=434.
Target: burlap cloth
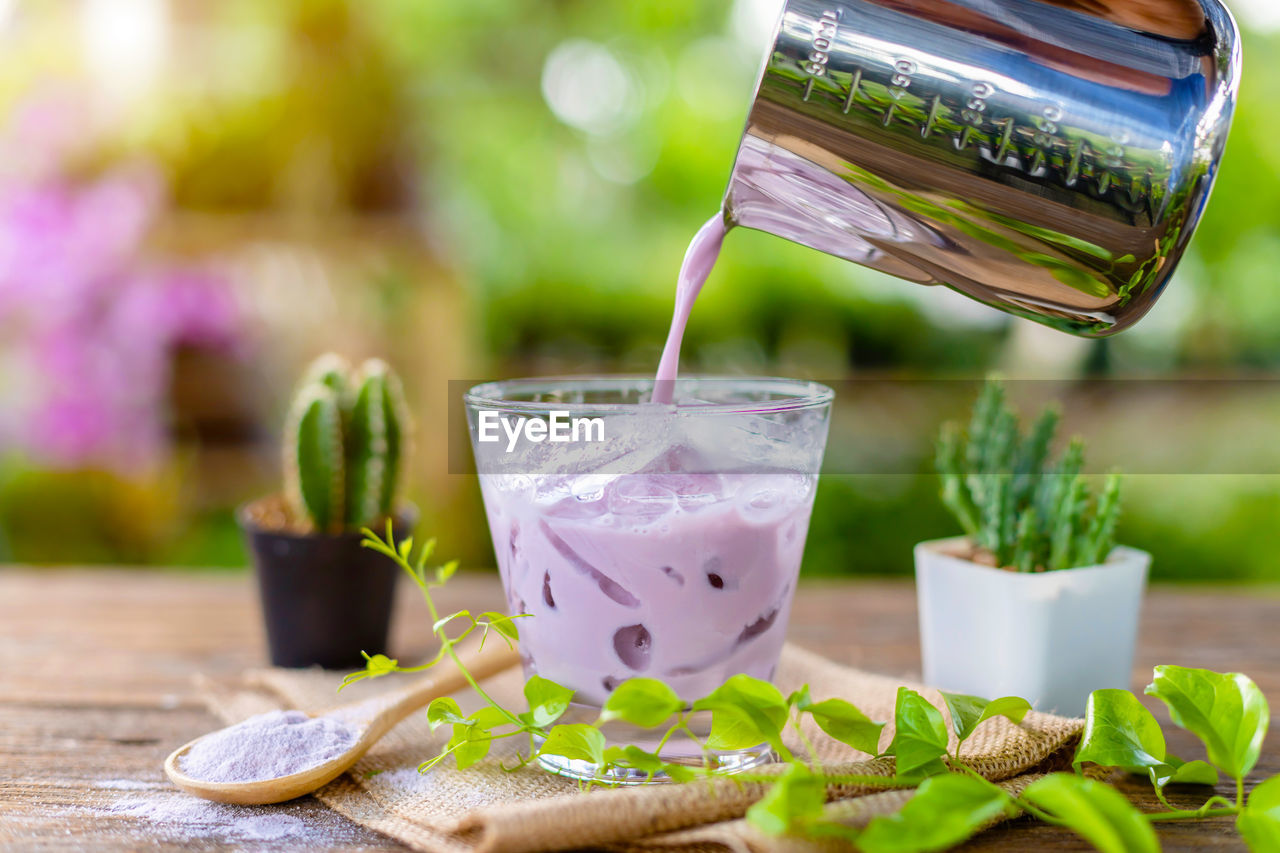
x=486 y=808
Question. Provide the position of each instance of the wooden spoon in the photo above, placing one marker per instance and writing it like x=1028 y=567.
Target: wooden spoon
x=370 y=719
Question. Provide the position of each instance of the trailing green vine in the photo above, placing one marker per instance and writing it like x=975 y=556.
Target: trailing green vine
x=951 y=802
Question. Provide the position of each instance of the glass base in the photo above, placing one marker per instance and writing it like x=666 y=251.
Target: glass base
x=725 y=762
x=677 y=750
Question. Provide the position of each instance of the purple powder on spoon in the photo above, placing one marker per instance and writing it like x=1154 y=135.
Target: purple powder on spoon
x=268 y=746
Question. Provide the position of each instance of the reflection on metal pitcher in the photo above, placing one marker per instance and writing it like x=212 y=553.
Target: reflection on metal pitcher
x=1040 y=157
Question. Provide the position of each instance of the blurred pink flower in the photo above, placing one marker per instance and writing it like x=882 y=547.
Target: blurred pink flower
x=88 y=327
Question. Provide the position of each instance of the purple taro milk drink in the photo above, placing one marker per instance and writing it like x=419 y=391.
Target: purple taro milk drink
x=683 y=577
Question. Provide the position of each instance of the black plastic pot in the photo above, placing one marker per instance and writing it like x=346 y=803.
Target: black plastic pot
x=325 y=599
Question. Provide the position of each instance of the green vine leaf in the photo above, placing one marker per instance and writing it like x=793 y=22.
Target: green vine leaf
x=1184 y=773
x=442 y=710
x=380 y=665
x=800 y=698
x=443 y=573
x=1225 y=710
x=445 y=620
x=847 y=724
x=647 y=762
x=745 y=712
x=468 y=744
x=488 y=718
x=1259 y=822
x=375 y=666
x=920 y=735
x=634 y=757
x=547 y=700
x=794 y=801
x=502 y=623
x=575 y=741
x=419 y=566
x=968 y=712
x=683 y=773
x=1095 y=811
x=944 y=812
x=643 y=702
x=1120 y=732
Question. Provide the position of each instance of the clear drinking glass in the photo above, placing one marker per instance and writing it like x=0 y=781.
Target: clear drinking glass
x=649 y=539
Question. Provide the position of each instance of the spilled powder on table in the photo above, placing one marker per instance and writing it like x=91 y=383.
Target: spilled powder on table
x=229 y=822
x=177 y=817
x=270 y=745
x=129 y=785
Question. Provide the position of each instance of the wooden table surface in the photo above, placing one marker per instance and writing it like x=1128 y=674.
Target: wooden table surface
x=96 y=688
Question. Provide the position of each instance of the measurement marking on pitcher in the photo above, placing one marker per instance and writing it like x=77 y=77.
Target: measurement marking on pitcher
x=934 y=109
x=1047 y=125
x=1045 y=137
x=1073 y=170
x=1112 y=159
x=820 y=55
x=973 y=112
x=1115 y=151
x=854 y=83
x=1005 y=139
x=903 y=68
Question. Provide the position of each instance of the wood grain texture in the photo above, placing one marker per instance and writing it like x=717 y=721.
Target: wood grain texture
x=96 y=688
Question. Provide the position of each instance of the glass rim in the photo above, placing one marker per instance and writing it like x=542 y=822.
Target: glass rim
x=794 y=394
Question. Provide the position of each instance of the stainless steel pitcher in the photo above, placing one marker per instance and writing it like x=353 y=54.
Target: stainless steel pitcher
x=1047 y=157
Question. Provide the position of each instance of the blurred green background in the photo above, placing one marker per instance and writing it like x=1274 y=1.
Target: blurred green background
x=489 y=189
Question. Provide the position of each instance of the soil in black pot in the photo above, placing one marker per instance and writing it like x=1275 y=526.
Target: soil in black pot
x=325 y=599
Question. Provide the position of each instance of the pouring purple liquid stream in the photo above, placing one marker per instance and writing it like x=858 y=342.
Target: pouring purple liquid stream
x=699 y=259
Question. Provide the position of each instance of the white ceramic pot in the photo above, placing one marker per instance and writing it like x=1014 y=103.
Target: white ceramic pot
x=1050 y=637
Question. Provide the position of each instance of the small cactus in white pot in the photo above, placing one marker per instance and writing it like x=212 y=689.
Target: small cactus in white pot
x=1035 y=599
x=326 y=599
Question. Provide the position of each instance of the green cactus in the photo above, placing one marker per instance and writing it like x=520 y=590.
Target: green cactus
x=1012 y=501
x=1102 y=530
x=345 y=444
x=330 y=370
x=1026 y=554
x=955 y=495
x=1066 y=527
x=1033 y=454
x=313 y=456
x=374 y=445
